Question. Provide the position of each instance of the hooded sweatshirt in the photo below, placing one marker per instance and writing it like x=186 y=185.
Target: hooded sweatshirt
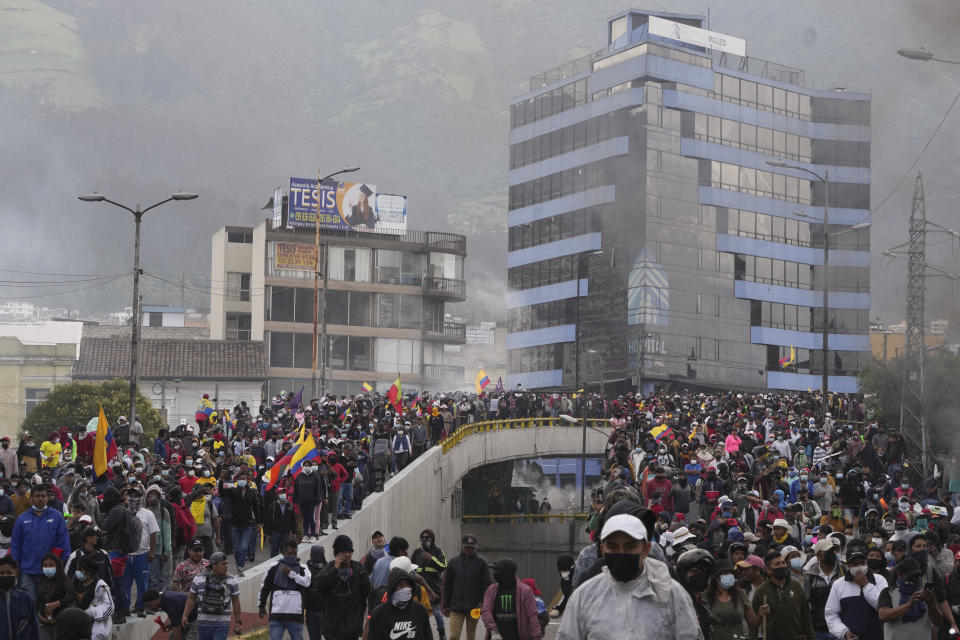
x=408 y=620
x=509 y=605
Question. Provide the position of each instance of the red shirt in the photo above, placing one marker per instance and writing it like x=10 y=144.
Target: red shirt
x=186 y=484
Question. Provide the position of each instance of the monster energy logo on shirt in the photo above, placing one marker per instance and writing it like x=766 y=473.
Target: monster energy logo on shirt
x=506 y=602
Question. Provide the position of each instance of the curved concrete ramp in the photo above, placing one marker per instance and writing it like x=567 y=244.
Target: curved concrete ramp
x=419 y=497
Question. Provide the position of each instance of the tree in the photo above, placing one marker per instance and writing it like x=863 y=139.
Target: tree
x=73 y=404
x=882 y=384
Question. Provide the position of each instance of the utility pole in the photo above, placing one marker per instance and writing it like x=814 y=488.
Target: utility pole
x=316 y=286
x=913 y=422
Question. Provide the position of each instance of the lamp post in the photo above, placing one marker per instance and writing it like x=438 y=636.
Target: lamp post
x=316 y=284
x=576 y=375
x=138 y=214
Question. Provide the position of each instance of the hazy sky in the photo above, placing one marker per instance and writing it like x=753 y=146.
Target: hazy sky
x=229 y=99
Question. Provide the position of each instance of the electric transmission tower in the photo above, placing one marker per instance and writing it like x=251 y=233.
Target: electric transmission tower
x=913 y=410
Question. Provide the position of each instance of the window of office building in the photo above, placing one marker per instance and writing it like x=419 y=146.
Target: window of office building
x=399 y=267
x=571 y=138
x=399 y=311
x=445 y=265
x=397 y=355
x=238 y=286
x=349 y=308
x=291 y=349
x=549 y=103
x=542 y=358
x=349 y=353
x=238 y=326
x=771 y=271
x=350 y=264
x=240 y=237
x=559 y=227
x=290 y=304
x=33 y=398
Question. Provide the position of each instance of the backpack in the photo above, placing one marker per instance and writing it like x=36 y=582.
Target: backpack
x=215 y=597
x=186 y=525
x=134 y=532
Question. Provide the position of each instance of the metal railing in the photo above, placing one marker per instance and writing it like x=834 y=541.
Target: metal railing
x=472 y=428
x=526 y=517
x=455 y=331
x=444 y=373
x=430 y=239
x=445 y=287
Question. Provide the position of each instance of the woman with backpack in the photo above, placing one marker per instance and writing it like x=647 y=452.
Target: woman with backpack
x=54 y=594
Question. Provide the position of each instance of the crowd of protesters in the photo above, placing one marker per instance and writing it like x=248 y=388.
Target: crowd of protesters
x=721 y=516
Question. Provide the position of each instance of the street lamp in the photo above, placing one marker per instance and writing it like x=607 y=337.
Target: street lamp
x=825 y=179
x=923 y=55
x=603 y=383
x=135 y=327
x=576 y=375
x=316 y=284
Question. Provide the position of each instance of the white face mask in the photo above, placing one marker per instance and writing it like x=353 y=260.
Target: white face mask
x=564 y=574
x=858 y=571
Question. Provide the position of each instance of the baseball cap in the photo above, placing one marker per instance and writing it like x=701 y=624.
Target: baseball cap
x=469 y=540
x=787 y=550
x=628 y=524
x=196 y=543
x=751 y=561
x=404 y=563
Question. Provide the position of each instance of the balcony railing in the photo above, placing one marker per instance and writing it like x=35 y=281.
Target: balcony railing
x=449 y=331
x=430 y=239
x=446 y=373
x=445 y=287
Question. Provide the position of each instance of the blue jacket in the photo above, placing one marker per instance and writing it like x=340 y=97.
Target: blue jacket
x=18 y=616
x=35 y=535
x=160 y=449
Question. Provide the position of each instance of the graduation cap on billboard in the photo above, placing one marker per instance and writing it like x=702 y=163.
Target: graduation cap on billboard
x=364 y=189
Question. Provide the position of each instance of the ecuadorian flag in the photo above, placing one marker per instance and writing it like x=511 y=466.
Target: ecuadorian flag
x=482 y=381
x=367 y=388
x=204 y=410
x=105 y=447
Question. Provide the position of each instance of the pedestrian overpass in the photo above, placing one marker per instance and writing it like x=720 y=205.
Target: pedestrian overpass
x=425 y=495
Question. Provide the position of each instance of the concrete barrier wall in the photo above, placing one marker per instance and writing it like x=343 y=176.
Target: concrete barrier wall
x=419 y=497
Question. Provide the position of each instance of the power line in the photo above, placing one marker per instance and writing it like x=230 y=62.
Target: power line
x=62 y=293
x=69 y=275
x=919 y=155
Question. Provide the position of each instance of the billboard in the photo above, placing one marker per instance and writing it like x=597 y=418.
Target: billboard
x=695 y=36
x=277 y=219
x=291 y=255
x=346 y=206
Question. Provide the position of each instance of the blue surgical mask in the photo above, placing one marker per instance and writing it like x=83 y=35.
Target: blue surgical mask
x=241 y=483
x=796 y=563
x=839 y=476
x=727 y=581
x=49 y=571
x=80 y=575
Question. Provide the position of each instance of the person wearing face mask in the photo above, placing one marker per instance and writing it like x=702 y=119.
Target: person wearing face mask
x=565 y=564
x=649 y=603
x=851 y=608
x=90 y=543
x=509 y=609
x=145 y=549
x=309 y=491
x=907 y=607
x=431 y=562
x=245 y=516
x=160 y=566
x=795 y=561
x=284 y=584
x=93 y=596
x=279 y=522
x=818 y=579
x=781 y=601
x=54 y=594
x=37 y=532
x=728 y=604
x=401 y=616
x=344 y=587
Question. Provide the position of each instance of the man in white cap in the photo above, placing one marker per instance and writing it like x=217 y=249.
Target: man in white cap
x=634 y=597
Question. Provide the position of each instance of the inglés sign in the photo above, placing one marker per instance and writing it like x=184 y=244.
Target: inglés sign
x=290 y=255
x=699 y=37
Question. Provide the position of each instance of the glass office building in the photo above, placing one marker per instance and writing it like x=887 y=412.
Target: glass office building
x=639 y=185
